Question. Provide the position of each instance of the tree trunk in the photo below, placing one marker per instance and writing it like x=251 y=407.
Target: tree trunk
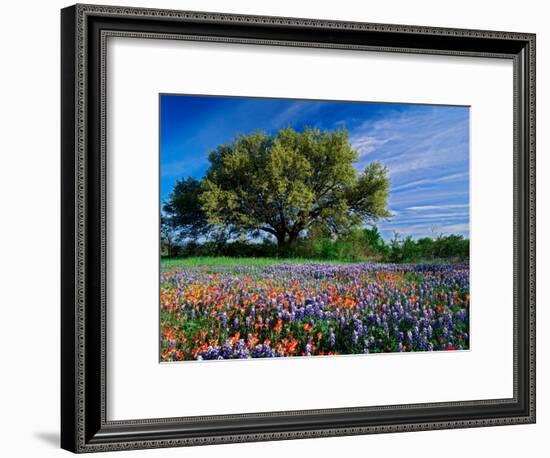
x=280 y=239
x=292 y=238
x=294 y=233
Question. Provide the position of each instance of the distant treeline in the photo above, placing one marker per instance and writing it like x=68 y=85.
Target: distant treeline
x=358 y=245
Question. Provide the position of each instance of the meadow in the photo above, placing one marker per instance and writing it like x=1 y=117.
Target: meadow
x=230 y=261
x=215 y=308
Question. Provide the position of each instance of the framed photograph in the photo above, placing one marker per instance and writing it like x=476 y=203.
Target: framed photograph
x=278 y=228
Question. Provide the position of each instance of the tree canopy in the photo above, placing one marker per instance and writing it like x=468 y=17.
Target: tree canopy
x=183 y=210
x=282 y=185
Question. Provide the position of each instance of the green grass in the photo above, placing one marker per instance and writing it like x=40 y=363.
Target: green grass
x=229 y=261
x=226 y=261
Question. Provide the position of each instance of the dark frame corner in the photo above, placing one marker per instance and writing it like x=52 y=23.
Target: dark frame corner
x=84 y=28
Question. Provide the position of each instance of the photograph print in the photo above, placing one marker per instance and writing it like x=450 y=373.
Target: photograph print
x=296 y=228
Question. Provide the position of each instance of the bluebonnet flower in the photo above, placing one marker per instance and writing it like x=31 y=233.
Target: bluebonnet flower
x=354 y=338
x=332 y=338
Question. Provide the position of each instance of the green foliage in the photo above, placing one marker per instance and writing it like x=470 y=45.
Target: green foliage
x=357 y=245
x=376 y=246
x=451 y=246
x=285 y=184
x=183 y=215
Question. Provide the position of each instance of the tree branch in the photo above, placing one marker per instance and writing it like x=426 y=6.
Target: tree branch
x=268 y=229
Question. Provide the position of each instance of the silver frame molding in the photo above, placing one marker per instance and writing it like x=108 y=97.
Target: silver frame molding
x=85 y=31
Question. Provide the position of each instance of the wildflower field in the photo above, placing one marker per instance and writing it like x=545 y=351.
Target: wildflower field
x=237 y=308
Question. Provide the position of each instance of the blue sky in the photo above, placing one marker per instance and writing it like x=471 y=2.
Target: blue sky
x=425 y=147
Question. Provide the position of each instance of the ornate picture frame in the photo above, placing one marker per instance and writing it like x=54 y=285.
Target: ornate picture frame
x=84 y=424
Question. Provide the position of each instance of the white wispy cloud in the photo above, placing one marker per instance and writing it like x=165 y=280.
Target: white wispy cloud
x=295 y=111
x=442 y=216
x=365 y=145
x=455 y=228
x=431 y=181
x=437 y=207
x=421 y=140
x=426 y=151
x=422 y=197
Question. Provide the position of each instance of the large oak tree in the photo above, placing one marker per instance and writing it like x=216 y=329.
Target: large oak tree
x=283 y=184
